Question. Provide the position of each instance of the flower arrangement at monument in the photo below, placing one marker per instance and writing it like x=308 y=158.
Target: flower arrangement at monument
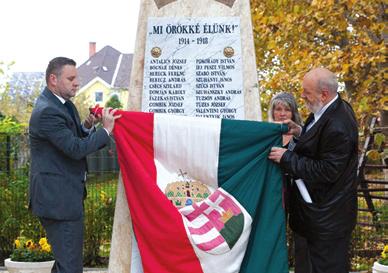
x=384 y=256
x=26 y=250
x=381 y=266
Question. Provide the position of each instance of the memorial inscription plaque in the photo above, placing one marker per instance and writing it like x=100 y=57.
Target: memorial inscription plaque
x=193 y=67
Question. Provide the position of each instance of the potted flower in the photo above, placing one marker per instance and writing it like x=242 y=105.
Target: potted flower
x=381 y=266
x=27 y=255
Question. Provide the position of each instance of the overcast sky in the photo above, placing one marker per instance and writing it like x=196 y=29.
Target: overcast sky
x=35 y=31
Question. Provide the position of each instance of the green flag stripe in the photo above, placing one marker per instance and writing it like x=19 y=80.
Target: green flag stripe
x=245 y=172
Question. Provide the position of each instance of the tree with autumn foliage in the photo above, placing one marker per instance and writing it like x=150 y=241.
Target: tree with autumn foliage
x=345 y=36
x=16 y=102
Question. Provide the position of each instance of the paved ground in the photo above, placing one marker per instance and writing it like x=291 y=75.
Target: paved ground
x=86 y=270
x=104 y=270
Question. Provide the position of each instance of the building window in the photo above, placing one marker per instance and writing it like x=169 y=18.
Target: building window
x=98 y=96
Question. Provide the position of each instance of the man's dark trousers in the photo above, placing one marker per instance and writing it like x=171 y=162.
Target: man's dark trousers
x=322 y=256
x=66 y=238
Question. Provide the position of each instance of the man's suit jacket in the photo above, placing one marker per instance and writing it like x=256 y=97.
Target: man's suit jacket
x=325 y=157
x=58 y=159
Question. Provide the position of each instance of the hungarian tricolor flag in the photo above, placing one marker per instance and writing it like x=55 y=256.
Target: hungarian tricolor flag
x=202 y=194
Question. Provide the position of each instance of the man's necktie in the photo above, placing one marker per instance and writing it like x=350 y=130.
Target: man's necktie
x=70 y=110
x=309 y=123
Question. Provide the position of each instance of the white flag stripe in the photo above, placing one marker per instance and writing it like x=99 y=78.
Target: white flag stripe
x=171 y=135
x=219 y=249
x=191 y=146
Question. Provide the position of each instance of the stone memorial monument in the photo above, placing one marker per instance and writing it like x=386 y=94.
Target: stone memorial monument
x=191 y=58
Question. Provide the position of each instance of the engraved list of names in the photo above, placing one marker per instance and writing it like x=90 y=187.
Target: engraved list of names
x=193 y=67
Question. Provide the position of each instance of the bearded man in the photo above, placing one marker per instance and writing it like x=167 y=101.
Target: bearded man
x=324 y=160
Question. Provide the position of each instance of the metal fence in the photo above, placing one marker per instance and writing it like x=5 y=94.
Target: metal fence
x=16 y=220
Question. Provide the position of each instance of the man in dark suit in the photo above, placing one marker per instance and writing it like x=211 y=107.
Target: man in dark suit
x=325 y=160
x=59 y=145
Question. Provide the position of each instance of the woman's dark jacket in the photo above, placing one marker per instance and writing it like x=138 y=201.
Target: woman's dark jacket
x=325 y=157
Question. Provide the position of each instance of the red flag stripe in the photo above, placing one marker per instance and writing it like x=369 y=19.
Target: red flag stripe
x=134 y=135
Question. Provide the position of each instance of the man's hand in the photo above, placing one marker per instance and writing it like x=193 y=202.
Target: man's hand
x=293 y=128
x=90 y=121
x=276 y=154
x=108 y=119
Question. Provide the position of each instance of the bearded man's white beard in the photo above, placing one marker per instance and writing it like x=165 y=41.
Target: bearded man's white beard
x=315 y=108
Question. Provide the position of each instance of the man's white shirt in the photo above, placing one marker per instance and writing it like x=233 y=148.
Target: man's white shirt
x=299 y=182
x=86 y=130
